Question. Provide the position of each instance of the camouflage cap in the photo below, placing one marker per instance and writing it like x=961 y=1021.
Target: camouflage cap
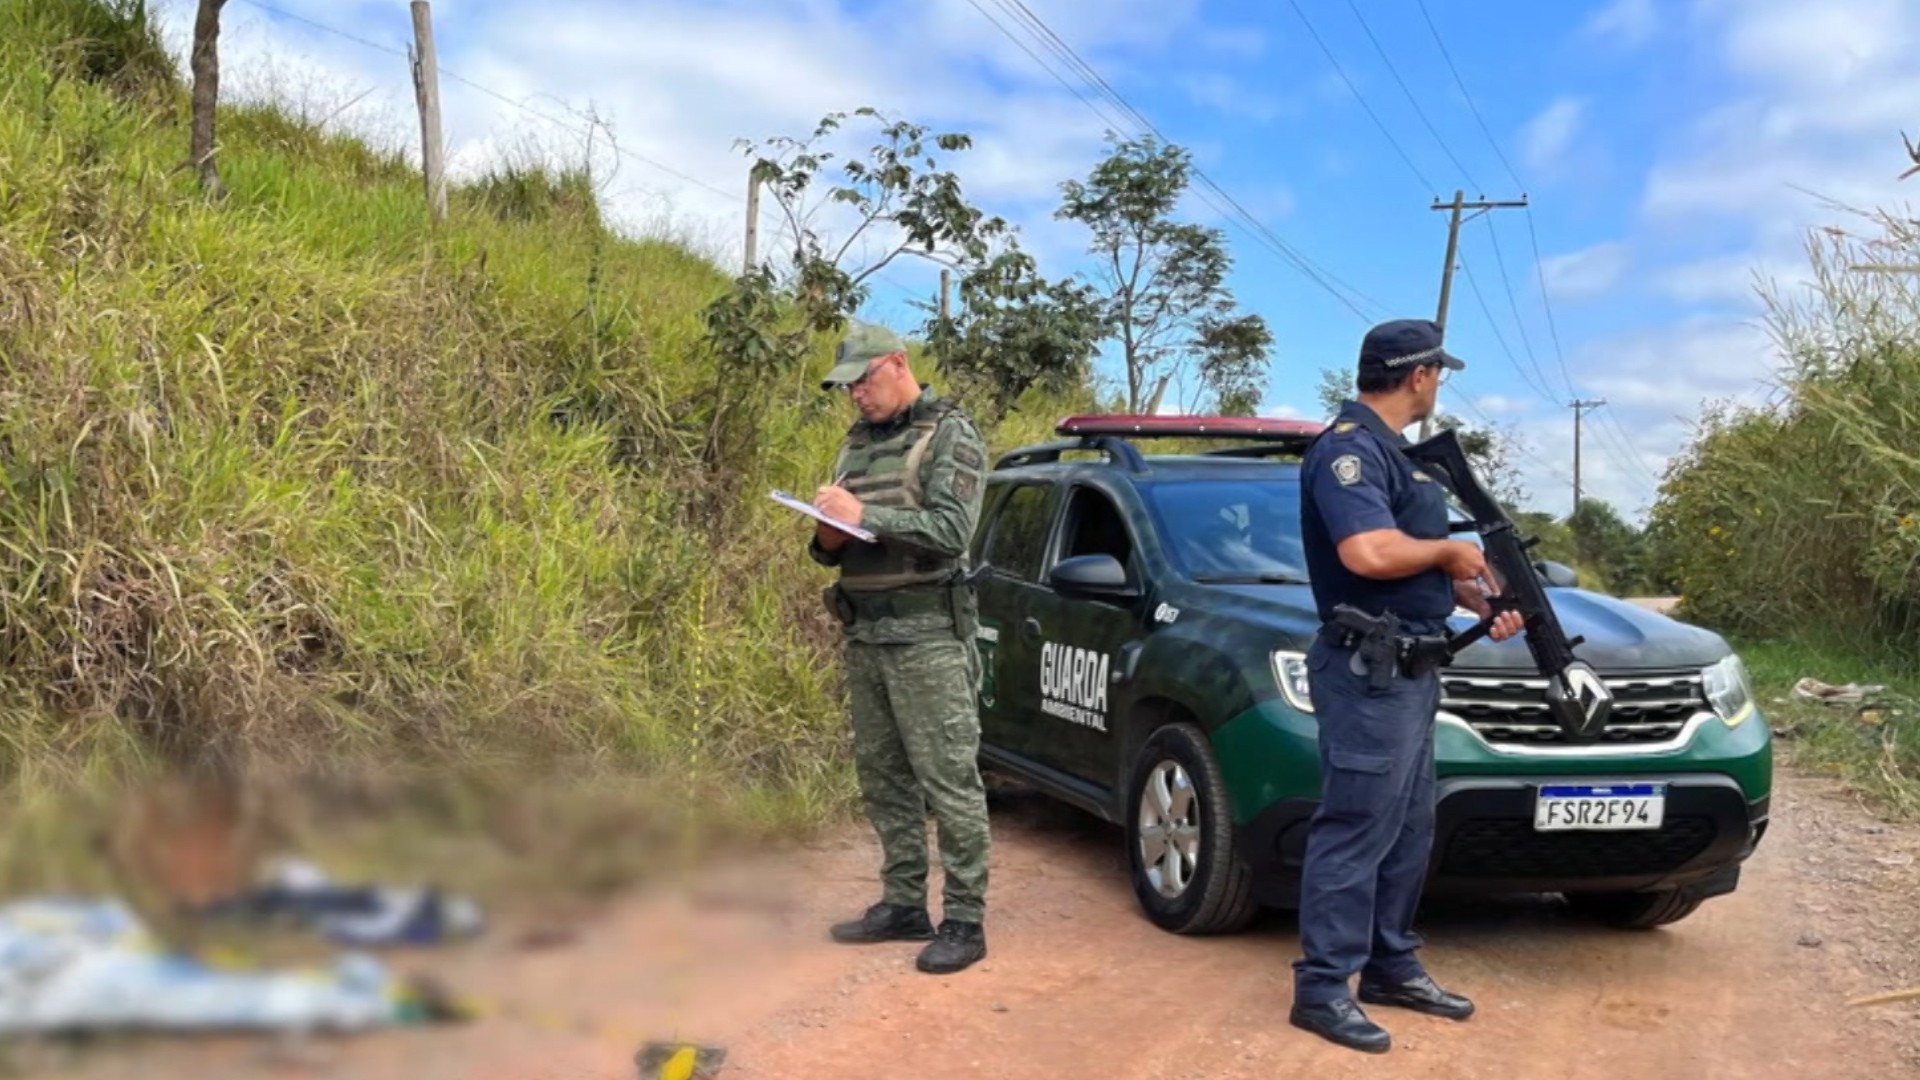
x=863 y=344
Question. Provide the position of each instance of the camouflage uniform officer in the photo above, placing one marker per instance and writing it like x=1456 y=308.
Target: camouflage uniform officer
x=910 y=473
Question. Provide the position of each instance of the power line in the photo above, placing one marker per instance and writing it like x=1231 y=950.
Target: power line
x=1609 y=428
x=1501 y=262
x=1357 y=96
x=1464 y=92
x=1411 y=100
x=1494 y=325
x=536 y=113
x=1261 y=232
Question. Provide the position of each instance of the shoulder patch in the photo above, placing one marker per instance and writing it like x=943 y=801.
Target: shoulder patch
x=1344 y=426
x=965 y=484
x=1346 y=469
x=969 y=455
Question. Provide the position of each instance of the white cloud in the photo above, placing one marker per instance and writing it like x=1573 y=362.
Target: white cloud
x=680 y=80
x=1495 y=405
x=1242 y=42
x=1653 y=382
x=1833 y=42
x=1588 y=272
x=1286 y=411
x=1733 y=279
x=1548 y=136
x=1233 y=98
x=1629 y=22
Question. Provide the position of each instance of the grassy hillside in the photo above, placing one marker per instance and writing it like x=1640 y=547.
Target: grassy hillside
x=296 y=483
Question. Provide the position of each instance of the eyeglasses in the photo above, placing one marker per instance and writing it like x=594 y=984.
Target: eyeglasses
x=867 y=374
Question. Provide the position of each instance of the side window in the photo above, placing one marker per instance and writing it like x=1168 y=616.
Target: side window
x=1095 y=527
x=1019 y=533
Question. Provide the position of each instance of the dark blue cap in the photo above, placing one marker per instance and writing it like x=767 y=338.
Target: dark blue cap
x=1393 y=347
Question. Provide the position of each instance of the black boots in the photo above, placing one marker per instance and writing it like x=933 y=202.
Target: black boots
x=955 y=947
x=1420 y=995
x=1343 y=1023
x=885 y=922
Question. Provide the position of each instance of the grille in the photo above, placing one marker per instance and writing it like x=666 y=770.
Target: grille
x=1508 y=848
x=1649 y=707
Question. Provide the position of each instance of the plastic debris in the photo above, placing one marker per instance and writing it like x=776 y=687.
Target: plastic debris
x=679 y=1061
x=79 y=965
x=1812 y=689
x=357 y=915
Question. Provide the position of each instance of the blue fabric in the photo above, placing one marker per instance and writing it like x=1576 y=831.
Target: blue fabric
x=1353 y=480
x=1369 y=841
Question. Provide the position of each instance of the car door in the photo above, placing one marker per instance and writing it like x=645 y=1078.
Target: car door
x=1013 y=548
x=1084 y=644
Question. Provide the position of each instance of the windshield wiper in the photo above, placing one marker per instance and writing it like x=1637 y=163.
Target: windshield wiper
x=1251 y=579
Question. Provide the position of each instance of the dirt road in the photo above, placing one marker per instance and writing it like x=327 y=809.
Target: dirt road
x=1079 y=985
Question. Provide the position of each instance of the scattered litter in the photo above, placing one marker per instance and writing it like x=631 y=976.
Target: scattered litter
x=76 y=965
x=1888 y=999
x=357 y=915
x=1812 y=689
x=1810 y=941
x=1894 y=860
x=679 y=1061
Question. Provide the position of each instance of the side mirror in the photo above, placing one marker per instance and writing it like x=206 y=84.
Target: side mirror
x=1097 y=576
x=1558 y=575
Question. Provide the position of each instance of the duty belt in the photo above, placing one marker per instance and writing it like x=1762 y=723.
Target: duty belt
x=1378 y=641
x=897 y=603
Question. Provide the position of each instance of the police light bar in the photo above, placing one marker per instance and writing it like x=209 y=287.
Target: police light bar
x=1192 y=427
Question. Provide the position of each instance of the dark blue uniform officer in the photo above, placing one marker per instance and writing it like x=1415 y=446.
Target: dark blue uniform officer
x=1375 y=531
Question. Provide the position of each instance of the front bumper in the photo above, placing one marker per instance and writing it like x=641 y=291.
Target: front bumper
x=1484 y=841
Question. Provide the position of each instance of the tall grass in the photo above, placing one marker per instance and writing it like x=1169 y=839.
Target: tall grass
x=1804 y=517
x=299 y=484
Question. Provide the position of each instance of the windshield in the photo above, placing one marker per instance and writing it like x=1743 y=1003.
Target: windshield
x=1232 y=530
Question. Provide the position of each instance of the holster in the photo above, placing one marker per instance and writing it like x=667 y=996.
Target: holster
x=1374 y=637
x=1384 y=649
x=838 y=603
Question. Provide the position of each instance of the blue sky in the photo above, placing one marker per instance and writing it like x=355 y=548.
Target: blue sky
x=1668 y=149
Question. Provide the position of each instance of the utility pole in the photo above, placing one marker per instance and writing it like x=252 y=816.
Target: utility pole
x=1457 y=206
x=753 y=218
x=1579 y=407
x=426 y=89
x=944 y=276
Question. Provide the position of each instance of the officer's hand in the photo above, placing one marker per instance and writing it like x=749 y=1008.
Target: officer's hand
x=1463 y=561
x=1508 y=624
x=838 y=502
x=1470 y=595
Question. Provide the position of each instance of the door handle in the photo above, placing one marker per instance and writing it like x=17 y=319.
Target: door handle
x=1030 y=629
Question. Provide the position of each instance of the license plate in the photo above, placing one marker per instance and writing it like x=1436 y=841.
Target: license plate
x=1602 y=807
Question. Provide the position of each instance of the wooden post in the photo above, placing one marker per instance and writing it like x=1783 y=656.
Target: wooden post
x=426 y=89
x=206 y=94
x=753 y=218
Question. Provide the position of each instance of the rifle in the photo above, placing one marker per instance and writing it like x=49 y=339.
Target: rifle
x=1576 y=698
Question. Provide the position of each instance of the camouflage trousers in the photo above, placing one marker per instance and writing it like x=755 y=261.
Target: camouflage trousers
x=916 y=734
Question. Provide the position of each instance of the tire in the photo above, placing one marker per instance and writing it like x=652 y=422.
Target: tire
x=1636 y=911
x=1198 y=886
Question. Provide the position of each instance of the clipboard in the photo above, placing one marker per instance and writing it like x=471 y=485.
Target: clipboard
x=813 y=512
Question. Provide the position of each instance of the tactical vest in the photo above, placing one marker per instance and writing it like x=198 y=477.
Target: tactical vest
x=882 y=468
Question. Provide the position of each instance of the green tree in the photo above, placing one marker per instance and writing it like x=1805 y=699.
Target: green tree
x=1163 y=282
x=897 y=192
x=1605 y=542
x=1014 y=329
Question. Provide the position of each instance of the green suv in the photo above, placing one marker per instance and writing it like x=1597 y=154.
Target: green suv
x=1144 y=623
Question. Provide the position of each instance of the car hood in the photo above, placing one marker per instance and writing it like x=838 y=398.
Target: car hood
x=1619 y=635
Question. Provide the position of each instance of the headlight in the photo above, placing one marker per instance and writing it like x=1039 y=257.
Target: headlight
x=1290 y=671
x=1728 y=690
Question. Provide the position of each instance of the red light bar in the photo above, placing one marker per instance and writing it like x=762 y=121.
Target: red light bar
x=1191 y=427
